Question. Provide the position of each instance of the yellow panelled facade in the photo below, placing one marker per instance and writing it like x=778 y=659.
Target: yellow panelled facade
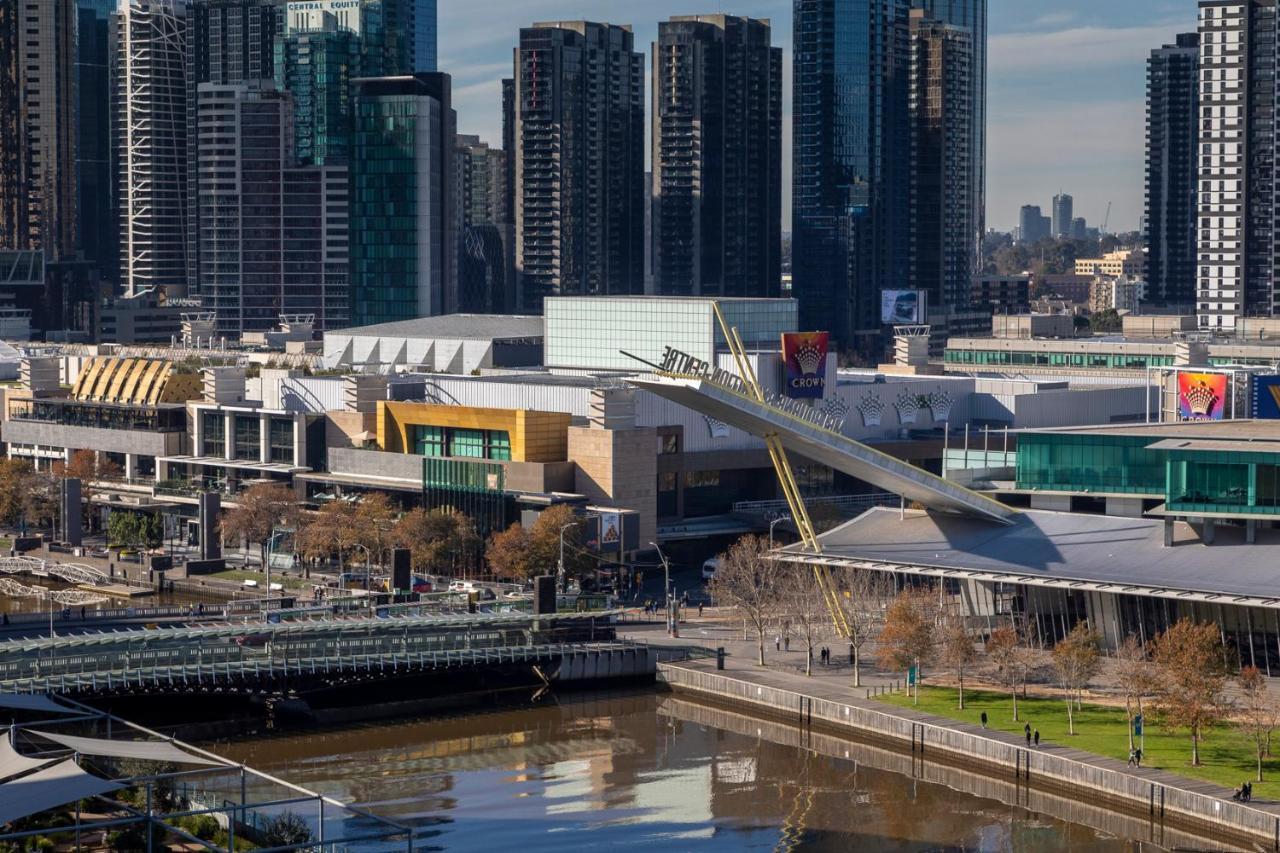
x=137 y=381
x=535 y=436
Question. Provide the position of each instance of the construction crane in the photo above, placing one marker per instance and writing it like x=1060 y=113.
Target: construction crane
x=1106 y=220
x=790 y=488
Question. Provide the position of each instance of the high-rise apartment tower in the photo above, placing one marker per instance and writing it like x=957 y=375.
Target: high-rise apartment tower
x=579 y=161
x=717 y=157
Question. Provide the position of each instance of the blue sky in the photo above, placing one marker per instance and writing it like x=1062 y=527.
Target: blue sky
x=1065 y=88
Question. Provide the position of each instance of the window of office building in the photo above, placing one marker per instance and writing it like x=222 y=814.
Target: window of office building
x=465 y=443
x=214 y=429
x=248 y=438
x=281 y=438
x=428 y=441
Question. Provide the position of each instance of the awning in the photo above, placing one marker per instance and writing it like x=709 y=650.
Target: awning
x=147 y=750
x=25 y=702
x=14 y=763
x=56 y=786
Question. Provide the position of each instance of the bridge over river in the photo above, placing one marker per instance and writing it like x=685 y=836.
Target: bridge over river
x=310 y=655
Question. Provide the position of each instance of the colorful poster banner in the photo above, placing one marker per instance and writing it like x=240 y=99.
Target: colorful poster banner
x=1266 y=398
x=1201 y=396
x=805 y=357
x=610 y=531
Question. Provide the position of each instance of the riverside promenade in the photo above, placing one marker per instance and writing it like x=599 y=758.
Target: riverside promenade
x=827 y=700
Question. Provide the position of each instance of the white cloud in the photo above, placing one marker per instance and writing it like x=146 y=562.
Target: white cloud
x=1075 y=49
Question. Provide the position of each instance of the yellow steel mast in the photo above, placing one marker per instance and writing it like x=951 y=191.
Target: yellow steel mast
x=786 y=478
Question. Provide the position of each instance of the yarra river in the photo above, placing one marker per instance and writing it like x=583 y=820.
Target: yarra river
x=658 y=772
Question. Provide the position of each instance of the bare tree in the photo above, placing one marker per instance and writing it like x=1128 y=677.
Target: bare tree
x=909 y=636
x=1076 y=659
x=956 y=650
x=1192 y=674
x=864 y=595
x=1133 y=669
x=805 y=608
x=748 y=581
x=1258 y=712
x=1011 y=661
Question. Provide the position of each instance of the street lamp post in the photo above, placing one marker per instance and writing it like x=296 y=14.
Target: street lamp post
x=666 y=583
x=560 y=575
x=368 y=570
x=774 y=524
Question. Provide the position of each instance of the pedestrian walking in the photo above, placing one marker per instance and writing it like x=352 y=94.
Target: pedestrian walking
x=699 y=609
x=1133 y=758
x=1037 y=738
x=786 y=643
x=1137 y=757
x=1027 y=731
x=984 y=719
x=777 y=642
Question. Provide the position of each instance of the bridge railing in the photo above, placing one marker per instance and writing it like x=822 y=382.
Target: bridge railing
x=264 y=644
x=175 y=674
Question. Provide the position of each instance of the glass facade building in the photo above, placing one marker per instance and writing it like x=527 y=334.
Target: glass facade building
x=589 y=333
x=96 y=228
x=1197 y=477
x=425 y=36
x=1173 y=100
x=317 y=68
x=403 y=243
x=849 y=179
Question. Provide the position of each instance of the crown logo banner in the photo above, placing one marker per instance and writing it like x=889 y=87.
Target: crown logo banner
x=804 y=356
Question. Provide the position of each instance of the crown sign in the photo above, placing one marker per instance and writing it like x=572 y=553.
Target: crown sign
x=809 y=358
x=1202 y=399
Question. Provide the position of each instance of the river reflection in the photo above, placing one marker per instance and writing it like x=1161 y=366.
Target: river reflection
x=647 y=772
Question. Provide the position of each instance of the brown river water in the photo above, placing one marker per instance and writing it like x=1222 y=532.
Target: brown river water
x=650 y=771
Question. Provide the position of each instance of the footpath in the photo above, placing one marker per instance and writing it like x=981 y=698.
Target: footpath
x=782 y=688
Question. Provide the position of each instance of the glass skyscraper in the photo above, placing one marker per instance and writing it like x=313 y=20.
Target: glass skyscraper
x=317 y=67
x=425 y=36
x=850 y=181
x=96 y=231
x=403 y=243
x=1173 y=124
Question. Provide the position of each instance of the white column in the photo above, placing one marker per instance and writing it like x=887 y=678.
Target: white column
x=229 y=427
x=264 y=438
x=128 y=466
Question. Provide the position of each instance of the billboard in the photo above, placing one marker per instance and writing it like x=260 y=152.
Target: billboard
x=1266 y=398
x=1201 y=396
x=804 y=355
x=899 y=307
x=610 y=531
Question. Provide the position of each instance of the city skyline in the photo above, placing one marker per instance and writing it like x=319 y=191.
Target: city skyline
x=1049 y=70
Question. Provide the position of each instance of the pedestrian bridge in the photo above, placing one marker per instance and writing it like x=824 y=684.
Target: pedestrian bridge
x=73 y=573
x=815 y=435
x=258 y=655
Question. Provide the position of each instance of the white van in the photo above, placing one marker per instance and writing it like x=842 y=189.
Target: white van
x=709 y=568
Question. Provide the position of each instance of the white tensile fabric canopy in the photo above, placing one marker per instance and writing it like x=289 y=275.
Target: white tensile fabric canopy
x=28 y=702
x=147 y=750
x=14 y=763
x=55 y=786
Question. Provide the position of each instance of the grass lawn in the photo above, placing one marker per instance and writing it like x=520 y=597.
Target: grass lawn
x=1226 y=755
x=241 y=576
